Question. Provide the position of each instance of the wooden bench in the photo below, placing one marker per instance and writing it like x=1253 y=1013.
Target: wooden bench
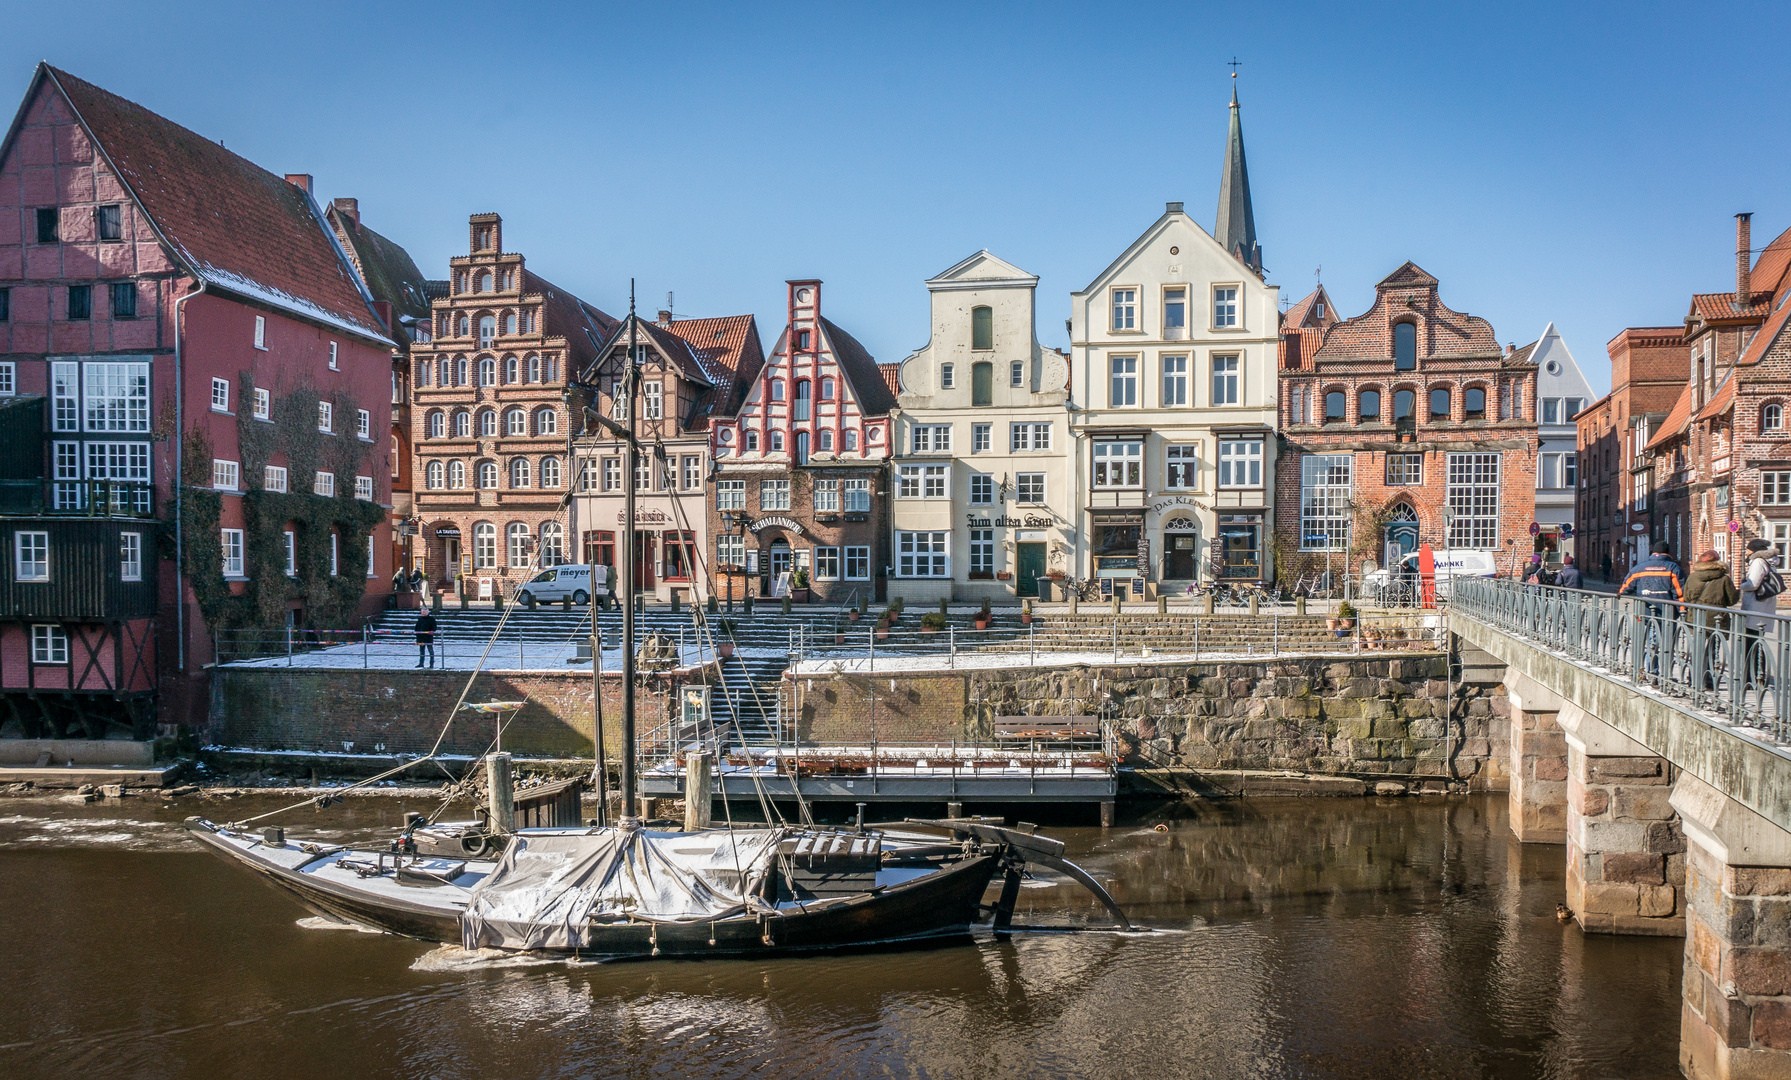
x=1070 y=729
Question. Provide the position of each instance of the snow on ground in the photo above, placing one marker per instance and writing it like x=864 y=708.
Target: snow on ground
x=461 y=656
x=864 y=665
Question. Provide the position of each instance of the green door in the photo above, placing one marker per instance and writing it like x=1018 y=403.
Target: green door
x=1030 y=566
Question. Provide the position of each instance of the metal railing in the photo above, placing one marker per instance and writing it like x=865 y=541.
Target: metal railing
x=1718 y=660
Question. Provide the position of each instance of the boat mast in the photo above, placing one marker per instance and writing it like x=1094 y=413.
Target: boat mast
x=630 y=811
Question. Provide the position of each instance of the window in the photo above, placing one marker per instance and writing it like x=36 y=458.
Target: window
x=517 y=543
x=1175 y=309
x=801 y=406
x=1125 y=309
x=1575 y=405
x=1118 y=464
x=653 y=407
x=363 y=488
x=1551 y=410
x=1570 y=467
x=550 y=472
x=512 y=370
x=233 y=552
x=1775 y=489
x=752 y=439
x=826 y=437
x=982 y=383
x=1225 y=380
x=264 y=406
x=1324 y=501
x=47 y=221
x=80 y=301
x=124 y=299
x=612 y=474
x=921 y=554
x=827 y=496
x=1439 y=404
x=553 y=544
x=1772 y=417
x=1474 y=499
x=488 y=423
x=487 y=474
x=827 y=563
x=220 y=395
x=326 y=417
x=730 y=550
x=1123 y=388
x=488 y=372
x=487 y=334
x=534 y=363
x=463 y=425
x=516 y=422
x=224 y=474
x=858 y=496
x=1240 y=463
x=49 y=645
x=777 y=389
x=324 y=483
x=1405 y=470
x=65 y=393
x=982 y=489
x=851 y=439
x=457 y=475
x=519 y=472
x=335 y=553
x=982 y=328
x=117 y=396
x=1225 y=307
x=777 y=442
x=5 y=305
x=1016 y=373
x=1473 y=403
x=1336 y=407
x=979 y=438
x=1404 y=401
x=930 y=438
x=273 y=477
x=1405 y=346
x=484 y=546
x=363 y=424
x=1029 y=488
x=643 y=473
x=947 y=376
x=774 y=495
x=922 y=482
x=1181 y=466
x=460 y=368
x=1175 y=381
x=434 y=473
x=858 y=564
x=1368 y=406
x=130 y=556
x=510 y=324
x=261 y=332
x=31 y=556
x=982 y=553
x=729 y=494
x=291 y=553
x=333 y=354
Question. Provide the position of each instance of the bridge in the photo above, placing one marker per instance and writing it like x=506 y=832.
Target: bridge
x=1653 y=741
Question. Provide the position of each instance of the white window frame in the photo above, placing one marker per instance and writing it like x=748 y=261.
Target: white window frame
x=231 y=541
x=827 y=497
x=363 y=488
x=981 y=435
x=363 y=425
x=730 y=549
x=778 y=492
x=114 y=395
x=1775 y=488
x=1122 y=382
x=1181 y=467
x=220 y=395
x=9 y=378
x=273 y=478
x=333 y=359
x=1473 y=497
x=1240 y=463
x=1175 y=381
x=550 y=473
x=1016 y=373
x=1226 y=310
x=929 y=439
x=326 y=418
x=923 y=554
x=1123 y=308
x=335 y=553
x=31 y=555
x=827 y=564
x=855 y=496
x=1326 y=484
x=691 y=472
x=263 y=409
x=261 y=332
x=982 y=552
x=1029 y=489
x=858 y=563
x=1028 y=437
x=1118 y=464
x=291 y=540
x=653 y=400
x=324 y=483
x=1228 y=377
x=948 y=373
x=226 y=475
x=1175 y=300
x=130 y=556
x=924 y=482
x=49 y=644
x=729 y=494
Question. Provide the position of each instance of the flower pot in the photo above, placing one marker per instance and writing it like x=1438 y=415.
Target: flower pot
x=725 y=648
x=852 y=616
x=928 y=630
x=982 y=624
x=1332 y=624
x=1025 y=618
x=882 y=633
x=839 y=639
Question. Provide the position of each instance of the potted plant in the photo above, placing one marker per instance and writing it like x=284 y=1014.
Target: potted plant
x=1346 y=614
x=983 y=616
x=724 y=641
x=932 y=622
x=786 y=605
x=854 y=613
x=1026 y=613
x=799 y=584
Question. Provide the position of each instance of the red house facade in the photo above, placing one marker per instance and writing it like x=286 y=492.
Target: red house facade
x=200 y=386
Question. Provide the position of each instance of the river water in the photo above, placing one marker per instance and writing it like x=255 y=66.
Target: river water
x=1298 y=938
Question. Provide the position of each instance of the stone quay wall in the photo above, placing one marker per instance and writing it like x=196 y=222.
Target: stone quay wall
x=1380 y=717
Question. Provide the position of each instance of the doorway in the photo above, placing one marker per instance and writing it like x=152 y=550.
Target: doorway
x=779 y=566
x=1180 y=548
x=1400 y=537
x=1029 y=566
x=643 y=561
x=450 y=560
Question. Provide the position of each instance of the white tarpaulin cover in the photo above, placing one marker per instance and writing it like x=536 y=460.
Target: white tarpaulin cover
x=548 y=885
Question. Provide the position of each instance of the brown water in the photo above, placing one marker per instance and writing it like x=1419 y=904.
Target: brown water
x=1303 y=938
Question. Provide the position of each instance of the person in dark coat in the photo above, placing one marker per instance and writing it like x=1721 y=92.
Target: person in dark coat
x=1533 y=572
x=425 y=638
x=1655 y=581
x=1570 y=574
x=1710 y=585
x=1605 y=567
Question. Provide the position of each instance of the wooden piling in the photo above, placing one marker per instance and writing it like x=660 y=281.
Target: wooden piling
x=500 y=797
x=696 y=792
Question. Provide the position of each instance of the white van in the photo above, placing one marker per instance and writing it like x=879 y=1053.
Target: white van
x=572 y=579
x=1449 y=564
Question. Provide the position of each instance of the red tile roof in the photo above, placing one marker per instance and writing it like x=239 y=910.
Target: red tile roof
x=1772 y=270
x=892 y=376
x=729 y=354
x=1715 y=306
x=238 y=227
x=869 y=384
x=1674 y=424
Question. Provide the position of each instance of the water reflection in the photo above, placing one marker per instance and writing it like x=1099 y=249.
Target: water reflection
x=1313 y=938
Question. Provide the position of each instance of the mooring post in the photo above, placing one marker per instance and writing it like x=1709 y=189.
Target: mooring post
x=500 y=797
x=1107 y=815
x=696 y=791
x=954 y=809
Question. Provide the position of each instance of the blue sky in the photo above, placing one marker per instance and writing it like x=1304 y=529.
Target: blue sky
x=1554 y=161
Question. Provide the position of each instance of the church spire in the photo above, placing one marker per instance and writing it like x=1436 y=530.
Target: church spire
x=1236 y=225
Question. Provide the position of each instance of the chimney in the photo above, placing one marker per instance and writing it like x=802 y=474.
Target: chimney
x=300 y=180
x=1743 y=260
x=665 y=318
x=348 y=208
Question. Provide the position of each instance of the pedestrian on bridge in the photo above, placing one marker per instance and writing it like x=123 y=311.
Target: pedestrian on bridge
x=1655 y=581
x=1710 y=586
x=1569 y=577
x=1760 y=591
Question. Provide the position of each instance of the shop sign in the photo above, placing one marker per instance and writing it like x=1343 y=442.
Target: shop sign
x=447 y=532
x=1174 y=501
x=1030 y=521
x=643 y=516
x=1030 y=535
x=776 y=523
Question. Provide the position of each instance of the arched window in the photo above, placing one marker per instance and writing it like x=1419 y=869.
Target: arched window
x=1368 y=406
x=487 y=330
x=752 y=438
x=553 y=537
x=488 y=424
x=520 y=472
x=510 y=324
x=436 y=474
x=484 y=546
x=802 y=399
x=457 y=474
x=550 y=472
x=826 y=439
x=1473 y=403
x=1336 y=403
x=802 y=448
x=488 y=372
x=534 y=369
x=1404 y=401
x=465 y=327
x=1439 y=404
x=460 y=371
x=516 y=543
x=777 y=442
x=1405 y=346
x=1772 y=417
x=777 y=389
x=546 y=422
x=982 y=328
x=484 y=282
x=982 y=383
x=488 y=474
x=438 y=424
x=422 y=376
x=850 y=438
x=827 y=388
x=463 y=425
x=516 y=422
x=512 y=369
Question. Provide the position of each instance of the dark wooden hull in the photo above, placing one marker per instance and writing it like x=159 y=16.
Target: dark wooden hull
x=938 y=905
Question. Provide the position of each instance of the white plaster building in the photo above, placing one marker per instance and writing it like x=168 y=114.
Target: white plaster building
x=982 y=467
x=1561 y=391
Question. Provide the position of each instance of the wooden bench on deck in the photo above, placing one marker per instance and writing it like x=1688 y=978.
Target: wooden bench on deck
x=1076 y=731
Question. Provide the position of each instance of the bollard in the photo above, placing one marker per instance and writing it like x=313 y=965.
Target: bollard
x=1116 y=601
x=1209 y=603
x=1299 y=605
x=1254 y=603
x=566 y=602
x=1072 y=603
x=674 y=593
x=1162 y=604
x=500 y=803
x=748 y=602
x=954 y=809
x=696 y=792
x=435 y=603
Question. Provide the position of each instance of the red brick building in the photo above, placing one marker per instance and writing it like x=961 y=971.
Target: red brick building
x=493 y=404
x=196 y=390
x=1614 y=496
x=1390 y=416
x=801 y=471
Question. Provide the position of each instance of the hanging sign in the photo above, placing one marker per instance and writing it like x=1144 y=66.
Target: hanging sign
x=776 y=523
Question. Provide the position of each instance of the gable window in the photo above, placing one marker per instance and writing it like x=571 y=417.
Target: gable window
x=1175 y=381
x=777 y=389
x=982 y=328
x=1439 y=404
x=1551 y=410
x=124 y=300
x=1404 y=401
x=947 y=376
x=777 y=442
x=1175 y=309
x=1772 y=417
x=982 y=489
x=80 y=301
x=1181 y=466
x=1118 y=464
x=982 y=383
x=1225 y=307
x=653 y=393
x=534 y=365
x=510 y=325
x=826 y=439
x=1573 y=407
x=1122 y=389
x=1336 y=406
x=512 y=370
x=802 y=337
x=1125 y=309
x=752 y=439
x=802 y=447
x=1016 y=373
x=1368 y=405
x=1405 y=346
x=48 y=218
x=261 y=332
x=1240 y=463
x=1225 y=380
x=979 y=438
x=1473 y=405
x=850 y=439
x=799 y=411
x=220 y=395
x=827 y=389
x=31 y=556
x=49 y=645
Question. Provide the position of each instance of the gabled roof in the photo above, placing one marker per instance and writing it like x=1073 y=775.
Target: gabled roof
x=1716 y=307
x=1521 y=355
x=1444 y=332
x=981 y=271
x=388 y=271
x=1300 y=315
x=584 y=327
x=727 y=349
x=1409 y=274
x=892 y=376
x=1677 y=417
x=1172 y=213
x=234 y=225
x=868 y=382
